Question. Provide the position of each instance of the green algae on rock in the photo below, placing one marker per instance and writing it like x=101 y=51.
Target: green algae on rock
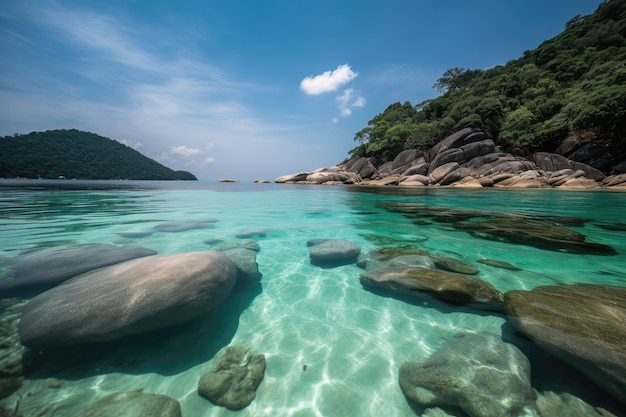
x=476 y=372
x=234 y=378
x=581 y=324
x=448 y=287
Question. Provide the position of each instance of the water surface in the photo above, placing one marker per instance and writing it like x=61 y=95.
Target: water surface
x=332 y=347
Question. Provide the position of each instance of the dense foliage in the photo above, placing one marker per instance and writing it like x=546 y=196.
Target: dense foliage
x=77 y=154
x=575 y=82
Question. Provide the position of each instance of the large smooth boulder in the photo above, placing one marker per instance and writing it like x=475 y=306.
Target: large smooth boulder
x=291 y=178
x=441 y=171
x=129 y=298
x=334 y=176
x=133 y=404
x=581 y=324
x=332 y=252
x=456 y=140
x=449 y=287
x=476 y=372
x=362 y=166
x=51 y=266
x=234 y=378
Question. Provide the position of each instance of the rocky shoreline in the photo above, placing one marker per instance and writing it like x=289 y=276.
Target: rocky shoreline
x=470 y=158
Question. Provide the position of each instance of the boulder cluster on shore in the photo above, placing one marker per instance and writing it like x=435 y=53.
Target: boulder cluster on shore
x=470 y=158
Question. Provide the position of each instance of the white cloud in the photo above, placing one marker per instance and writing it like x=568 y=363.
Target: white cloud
x=348 y=100
x=130 y=144
x=328 y=80
x=185 y=151
x=210 y=161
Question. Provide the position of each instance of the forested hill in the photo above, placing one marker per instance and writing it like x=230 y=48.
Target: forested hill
x=573 y=84
x=77 y=154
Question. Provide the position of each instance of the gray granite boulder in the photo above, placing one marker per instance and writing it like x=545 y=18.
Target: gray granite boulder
x=129 y=298
x=475 y=372
x=449 y=287
x=456 y=140
x=51 y=266
x=362 y=166
x=133 y=404
x=234 y=378
x=245 y=261
x=184 y=225
x=332 y=252
x=441 y=171
x=555 y=162
x=580 y=324
x=291 y=178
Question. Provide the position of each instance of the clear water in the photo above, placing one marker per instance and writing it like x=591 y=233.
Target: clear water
x=351 y=340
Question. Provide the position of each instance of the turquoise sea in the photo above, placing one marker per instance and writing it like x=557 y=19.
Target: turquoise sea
x=333 y=347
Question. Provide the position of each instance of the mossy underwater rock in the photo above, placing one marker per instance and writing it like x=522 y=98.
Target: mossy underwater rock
x=542 y=235
x=234 y=378
x=476 y=372
x=129 y=298
x=133 y=404
x=449 y=287
x=581 y=324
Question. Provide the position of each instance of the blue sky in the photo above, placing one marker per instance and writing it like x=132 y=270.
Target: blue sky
x=246 y=89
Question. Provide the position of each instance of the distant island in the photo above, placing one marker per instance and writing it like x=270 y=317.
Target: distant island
x=55 y=154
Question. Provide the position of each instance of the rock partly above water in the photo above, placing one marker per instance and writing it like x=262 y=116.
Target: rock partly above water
x=449 y=287
x=581 y=324
x=234 y=378
x=51 y=266
x=467 y=158
x=133 y=404
x=478 y=373
x=332 y=252
x=129 y=298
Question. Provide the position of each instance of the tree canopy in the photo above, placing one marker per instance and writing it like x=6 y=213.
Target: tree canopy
x=77 y=154
x=575 y=82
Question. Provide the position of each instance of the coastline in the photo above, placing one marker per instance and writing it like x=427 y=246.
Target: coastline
x=468 y=158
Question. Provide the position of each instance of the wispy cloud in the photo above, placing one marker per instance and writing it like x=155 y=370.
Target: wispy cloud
x=348 y=100
x=185 y=151
x=328 y=81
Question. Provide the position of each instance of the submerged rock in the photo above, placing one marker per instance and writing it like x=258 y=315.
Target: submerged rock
x=51 y=266
x=580 y=324
x=245 y=261
x=449 y=287
x=454 y=265
x=133 y=404
x=11 y=352
x=499 y=264
x=133 y=297
x=332 y=252
x=540 y=234
x=478 y=373
x=184 y=225
x=234 y=378
x=550 y=404
x=251 y=232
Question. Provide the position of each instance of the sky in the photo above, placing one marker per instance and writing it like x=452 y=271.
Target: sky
x=247 y=89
